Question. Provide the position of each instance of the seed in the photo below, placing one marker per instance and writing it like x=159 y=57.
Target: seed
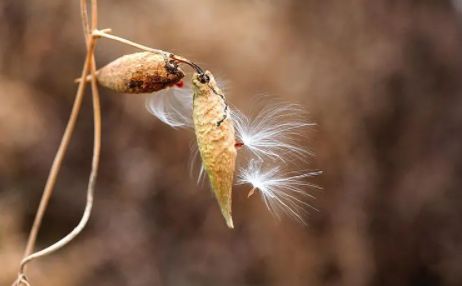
x=142 y=72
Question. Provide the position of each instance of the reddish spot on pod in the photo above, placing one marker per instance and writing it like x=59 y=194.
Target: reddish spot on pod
x=238 y=145
x=180 y=84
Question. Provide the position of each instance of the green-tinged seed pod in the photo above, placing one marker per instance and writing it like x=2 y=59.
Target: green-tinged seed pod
x=215 y=138
x=142 y=72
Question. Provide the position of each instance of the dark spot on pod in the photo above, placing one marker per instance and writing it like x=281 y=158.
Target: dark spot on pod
x=134 y=84
x=171 y=67
x=180 y=84
x=238 y=145
x=203 y=78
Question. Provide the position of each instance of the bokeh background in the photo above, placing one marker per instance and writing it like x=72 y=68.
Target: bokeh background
x=383 y=80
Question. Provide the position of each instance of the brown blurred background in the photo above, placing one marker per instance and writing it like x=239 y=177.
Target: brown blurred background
x=383 y=80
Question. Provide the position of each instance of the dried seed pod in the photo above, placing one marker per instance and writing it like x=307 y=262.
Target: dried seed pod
x=215 y=138
x=142 y=72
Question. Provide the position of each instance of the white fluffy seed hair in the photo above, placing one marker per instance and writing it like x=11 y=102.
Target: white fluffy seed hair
x=283 y=193
x=276 y=131
x=173 y=106
x=196 y=168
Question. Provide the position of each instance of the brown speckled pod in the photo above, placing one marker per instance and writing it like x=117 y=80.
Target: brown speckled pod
x=215 y=138
x=142 y=72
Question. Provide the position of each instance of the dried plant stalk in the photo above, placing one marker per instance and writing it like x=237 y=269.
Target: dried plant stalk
x=142 y=72
x=215 y=138
x=89 y=67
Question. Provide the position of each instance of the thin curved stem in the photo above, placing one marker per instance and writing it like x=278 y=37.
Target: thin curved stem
x=89 y=66
x=104 y=34
x=84 y=19
x=91 y=185
x=57 y=162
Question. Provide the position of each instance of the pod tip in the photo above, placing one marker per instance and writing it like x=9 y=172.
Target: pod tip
x=229 y=221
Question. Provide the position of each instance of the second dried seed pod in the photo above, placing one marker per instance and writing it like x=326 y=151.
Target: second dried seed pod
x=142 y=72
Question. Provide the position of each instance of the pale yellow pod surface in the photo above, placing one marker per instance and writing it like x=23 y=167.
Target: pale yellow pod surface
x=215 y=138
